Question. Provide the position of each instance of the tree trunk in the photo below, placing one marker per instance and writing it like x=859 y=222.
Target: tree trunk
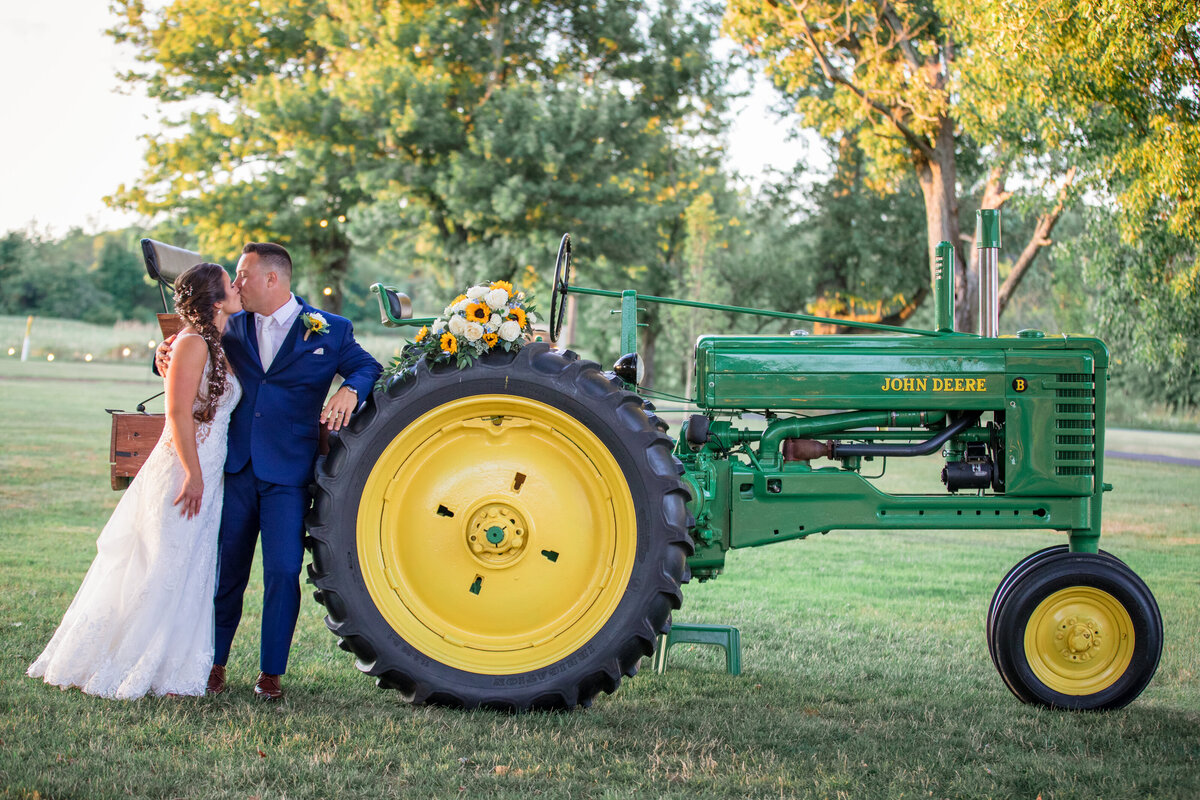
x=937 y=176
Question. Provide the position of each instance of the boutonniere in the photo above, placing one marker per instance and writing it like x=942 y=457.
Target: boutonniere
x=314 y=323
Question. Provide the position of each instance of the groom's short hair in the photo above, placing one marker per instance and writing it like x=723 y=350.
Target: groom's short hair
x=273 y=255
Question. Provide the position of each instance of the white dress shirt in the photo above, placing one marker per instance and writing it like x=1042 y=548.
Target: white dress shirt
x=273 y=328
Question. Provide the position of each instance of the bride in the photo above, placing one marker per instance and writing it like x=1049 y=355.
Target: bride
x=142 y=622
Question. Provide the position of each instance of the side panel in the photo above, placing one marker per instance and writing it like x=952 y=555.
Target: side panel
x=832 y=373
x=1051 y=424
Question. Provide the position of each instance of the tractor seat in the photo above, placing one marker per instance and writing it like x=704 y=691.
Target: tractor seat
x=165 y=263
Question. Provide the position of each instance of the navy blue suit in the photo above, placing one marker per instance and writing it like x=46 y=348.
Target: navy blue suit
x=273 y=437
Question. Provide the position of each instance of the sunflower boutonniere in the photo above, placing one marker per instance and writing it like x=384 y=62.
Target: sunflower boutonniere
x=314 y=323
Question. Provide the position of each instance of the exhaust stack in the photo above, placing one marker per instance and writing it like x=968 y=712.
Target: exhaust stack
x=987 y=241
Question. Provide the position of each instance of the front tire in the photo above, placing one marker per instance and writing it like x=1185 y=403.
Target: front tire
x=1078 y=631
x=511 y=535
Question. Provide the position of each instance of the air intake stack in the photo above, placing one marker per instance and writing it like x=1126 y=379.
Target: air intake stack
x=987 y=242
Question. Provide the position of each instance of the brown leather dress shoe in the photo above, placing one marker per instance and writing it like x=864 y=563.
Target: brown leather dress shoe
x=267 y=687
x=216 y=679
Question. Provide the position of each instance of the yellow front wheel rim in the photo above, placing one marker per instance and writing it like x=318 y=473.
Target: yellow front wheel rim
x=1079 y=641
x=496 y=534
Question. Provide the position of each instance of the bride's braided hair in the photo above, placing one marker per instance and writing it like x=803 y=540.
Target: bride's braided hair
x=196 y=292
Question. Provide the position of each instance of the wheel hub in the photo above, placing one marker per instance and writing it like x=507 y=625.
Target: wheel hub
x=497 y=534
x=1080 y=638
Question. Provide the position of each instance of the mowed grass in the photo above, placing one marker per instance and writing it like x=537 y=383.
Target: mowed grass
x=865 y=673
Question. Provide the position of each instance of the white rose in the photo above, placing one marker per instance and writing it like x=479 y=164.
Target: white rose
x=439 y=325
x=531 y=318
x=496 y=298
x=510 y=330
x=495 y=321
x=457 y=325
x=458 y=307
x=476 y=292
x=473 y=331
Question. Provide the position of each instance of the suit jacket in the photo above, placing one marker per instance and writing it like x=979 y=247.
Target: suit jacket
x=276 y=425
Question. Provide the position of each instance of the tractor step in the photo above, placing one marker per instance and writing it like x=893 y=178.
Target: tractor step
x=725 y=636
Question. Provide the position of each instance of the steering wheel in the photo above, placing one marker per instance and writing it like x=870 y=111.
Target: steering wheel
x=560 y=286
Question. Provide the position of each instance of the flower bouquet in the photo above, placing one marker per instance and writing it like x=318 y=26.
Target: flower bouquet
x=485 y=318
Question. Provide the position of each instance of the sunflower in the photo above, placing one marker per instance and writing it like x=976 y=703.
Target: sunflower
x=505 y=285
x=449 y=342
x=490 y=339
x=421 y=334
x=478 y=312
x=517 y=314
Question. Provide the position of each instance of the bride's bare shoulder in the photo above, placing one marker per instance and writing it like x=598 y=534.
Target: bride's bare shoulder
x=189 y=346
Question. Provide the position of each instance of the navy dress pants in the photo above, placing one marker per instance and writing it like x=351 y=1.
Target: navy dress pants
x=253 y=506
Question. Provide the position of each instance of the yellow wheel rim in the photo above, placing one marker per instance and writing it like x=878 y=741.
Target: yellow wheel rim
x=1079 y=641
x=496 y=534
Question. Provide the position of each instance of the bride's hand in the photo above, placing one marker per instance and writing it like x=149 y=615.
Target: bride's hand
x=162 y=355
x=189 y=496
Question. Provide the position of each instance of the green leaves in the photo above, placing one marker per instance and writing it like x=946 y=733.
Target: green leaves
x=459 y=137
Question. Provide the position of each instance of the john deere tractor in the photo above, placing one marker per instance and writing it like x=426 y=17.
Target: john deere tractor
x=514 y=535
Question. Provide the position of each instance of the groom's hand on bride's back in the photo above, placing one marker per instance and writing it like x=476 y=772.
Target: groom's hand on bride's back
x=162 y=356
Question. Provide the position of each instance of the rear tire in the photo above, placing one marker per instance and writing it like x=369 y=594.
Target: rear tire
x=512 y=535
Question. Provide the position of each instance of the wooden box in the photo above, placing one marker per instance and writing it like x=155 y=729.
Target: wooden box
x=133 y=437
x=134 y=434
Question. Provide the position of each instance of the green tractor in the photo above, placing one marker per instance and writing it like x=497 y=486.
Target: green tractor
x=514 y=535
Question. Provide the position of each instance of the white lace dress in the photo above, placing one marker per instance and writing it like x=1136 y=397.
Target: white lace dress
x=142 y=622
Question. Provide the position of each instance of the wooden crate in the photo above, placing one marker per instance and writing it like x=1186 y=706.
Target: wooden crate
x=169 y=324
x=135 y=434
x=133 y=437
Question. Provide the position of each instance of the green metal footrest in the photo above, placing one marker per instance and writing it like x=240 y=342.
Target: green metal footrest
x=725 y=636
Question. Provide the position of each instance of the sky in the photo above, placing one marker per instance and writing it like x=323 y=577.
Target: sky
x=70 y=134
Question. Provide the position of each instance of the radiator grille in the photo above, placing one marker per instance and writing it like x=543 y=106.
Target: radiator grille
x=1075 y=424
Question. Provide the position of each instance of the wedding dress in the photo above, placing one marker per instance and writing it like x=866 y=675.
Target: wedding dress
x=142 y=621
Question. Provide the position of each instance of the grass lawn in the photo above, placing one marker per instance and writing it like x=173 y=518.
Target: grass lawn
x=865 y=672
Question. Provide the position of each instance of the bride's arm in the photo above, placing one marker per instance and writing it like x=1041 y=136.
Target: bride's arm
x=183 y=386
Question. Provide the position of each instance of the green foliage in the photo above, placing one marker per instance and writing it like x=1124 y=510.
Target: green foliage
x=92 y=278
x=1120 y=82
x=1147 y=301
x=458 y=136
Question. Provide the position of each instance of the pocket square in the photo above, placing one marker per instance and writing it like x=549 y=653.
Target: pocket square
x=320 y=351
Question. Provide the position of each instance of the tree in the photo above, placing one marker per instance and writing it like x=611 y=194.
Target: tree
x=1129 y=74
x=910 y=81
x=460 y=134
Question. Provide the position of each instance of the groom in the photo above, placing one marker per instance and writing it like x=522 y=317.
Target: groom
x=285 y=353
